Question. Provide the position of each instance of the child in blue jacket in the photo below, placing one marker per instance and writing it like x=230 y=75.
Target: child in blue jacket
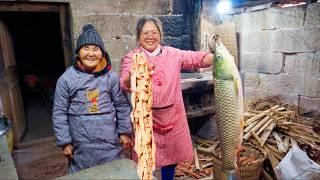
x=91 y=115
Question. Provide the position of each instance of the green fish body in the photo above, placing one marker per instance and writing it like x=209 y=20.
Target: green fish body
x=229 y=106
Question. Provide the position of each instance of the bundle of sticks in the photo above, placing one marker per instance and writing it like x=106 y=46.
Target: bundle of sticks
x=141 y=115
x=276 y=130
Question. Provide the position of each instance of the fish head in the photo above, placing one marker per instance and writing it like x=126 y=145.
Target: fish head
x=224 y=66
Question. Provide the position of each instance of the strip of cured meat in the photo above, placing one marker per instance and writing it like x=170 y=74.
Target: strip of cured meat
x=141 y=116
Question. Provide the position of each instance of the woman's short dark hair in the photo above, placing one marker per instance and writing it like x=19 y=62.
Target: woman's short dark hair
x=145 y=19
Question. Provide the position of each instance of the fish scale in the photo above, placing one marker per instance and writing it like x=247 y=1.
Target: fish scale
x=227 y=110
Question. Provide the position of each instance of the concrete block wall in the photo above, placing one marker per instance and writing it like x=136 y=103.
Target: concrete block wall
x=279 y=52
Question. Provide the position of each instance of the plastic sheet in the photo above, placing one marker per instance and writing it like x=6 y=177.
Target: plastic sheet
x=297 y=165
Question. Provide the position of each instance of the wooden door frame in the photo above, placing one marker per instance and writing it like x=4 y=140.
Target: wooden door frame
x=38 y=7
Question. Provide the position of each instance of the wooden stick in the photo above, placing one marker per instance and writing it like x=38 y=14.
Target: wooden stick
x=255 y=128
x=274 y=117
x=190 y=172
x=275 y=151
x=285 y=113
x=311 y=144
x=205 y=159
x=207 y=150
x=263 y=127
x=248 y=115
x=207 y=165
x=267 y=132
x=196 y=160
x=279 y=141
x=249 y=121
x=256 y=137
x=303 y=136
x=249 y=127
x=271 y=142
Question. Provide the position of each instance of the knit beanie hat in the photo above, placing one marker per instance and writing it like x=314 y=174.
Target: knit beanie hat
x=89 y=35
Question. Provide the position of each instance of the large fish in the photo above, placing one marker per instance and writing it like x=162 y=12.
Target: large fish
x=229 y=107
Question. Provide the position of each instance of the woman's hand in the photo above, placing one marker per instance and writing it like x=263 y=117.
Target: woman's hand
x=125 y=140
x=67 y=150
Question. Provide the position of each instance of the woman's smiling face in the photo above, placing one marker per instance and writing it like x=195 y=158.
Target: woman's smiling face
x=149 y=36
x=90 y=56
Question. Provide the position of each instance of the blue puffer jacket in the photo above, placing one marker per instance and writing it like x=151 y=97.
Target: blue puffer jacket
x=90 y=112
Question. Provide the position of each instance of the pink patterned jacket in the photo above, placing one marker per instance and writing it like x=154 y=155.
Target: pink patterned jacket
x=170 y=125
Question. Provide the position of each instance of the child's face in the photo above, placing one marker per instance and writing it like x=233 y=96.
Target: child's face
x=90 y=56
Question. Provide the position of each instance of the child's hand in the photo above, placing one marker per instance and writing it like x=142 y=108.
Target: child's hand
x=125 y=140
x=67 y=150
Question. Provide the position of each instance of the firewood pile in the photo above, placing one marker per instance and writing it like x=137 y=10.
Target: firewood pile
x=270 y=126
x=275 y=127
x=201 y=166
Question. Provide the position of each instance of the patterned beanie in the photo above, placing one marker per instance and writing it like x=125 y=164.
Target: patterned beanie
x=89 y=35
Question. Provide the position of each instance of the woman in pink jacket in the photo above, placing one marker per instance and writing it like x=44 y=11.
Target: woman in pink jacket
x=170 y=125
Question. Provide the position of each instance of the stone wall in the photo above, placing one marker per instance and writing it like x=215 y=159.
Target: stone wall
x=279 y=51
x=116 y=21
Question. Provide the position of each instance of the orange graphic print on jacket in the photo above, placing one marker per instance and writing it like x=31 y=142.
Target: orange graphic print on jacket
x=93 y=96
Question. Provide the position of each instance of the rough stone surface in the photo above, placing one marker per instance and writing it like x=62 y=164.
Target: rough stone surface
x=118 y=169
x=279 y=49
x=263 y=62
x=283 y=40
x=303 y=65
x=251 y=80
x=254 y=93
x=287 y=84
x=277 y=83
x=84 y=7
x=174 y=26
x=313 y=15
x=309 y=86
x=121 y=6
x=310 y=105
x=182 y=42
x=273 y=18
x=180 y=7
x=116 y=64
x=147 y=7
x=107 y=25
x=117 y=48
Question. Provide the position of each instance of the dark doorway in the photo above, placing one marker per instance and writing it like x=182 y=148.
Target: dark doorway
x=40 y=61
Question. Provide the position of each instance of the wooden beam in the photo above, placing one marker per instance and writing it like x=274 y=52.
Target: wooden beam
x=65 y=35
x=29 y=7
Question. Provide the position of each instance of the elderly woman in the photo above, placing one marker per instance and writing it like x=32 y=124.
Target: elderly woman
x=170 y=125
x=90 y=113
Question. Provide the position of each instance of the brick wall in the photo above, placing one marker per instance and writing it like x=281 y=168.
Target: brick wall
x=279 y=51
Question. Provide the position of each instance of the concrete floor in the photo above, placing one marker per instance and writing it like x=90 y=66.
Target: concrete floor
x=39 y=122
x=40 y=159
x=38 y=156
